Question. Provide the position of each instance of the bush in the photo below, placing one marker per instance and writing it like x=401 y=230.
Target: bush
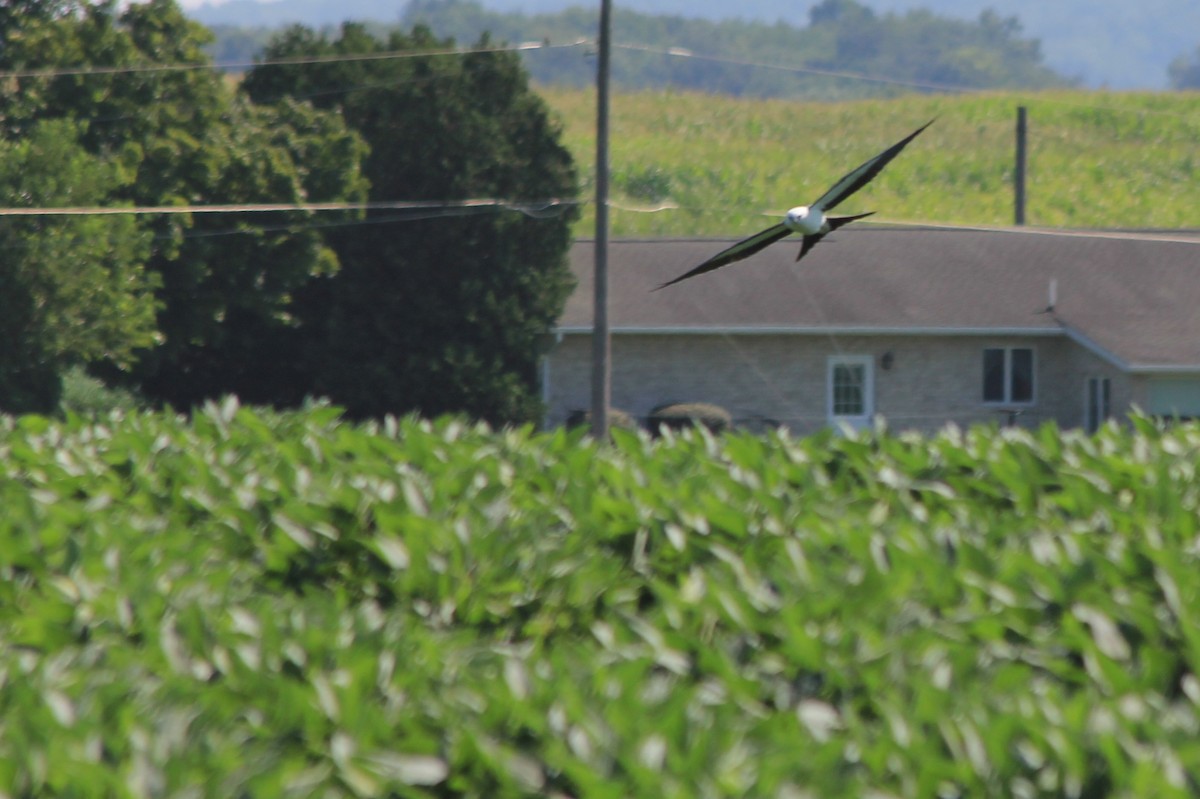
x=680 y=415
x=616 y=418
x=85 y=395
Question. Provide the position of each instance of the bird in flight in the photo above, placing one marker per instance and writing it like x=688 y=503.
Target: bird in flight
x=808 y=220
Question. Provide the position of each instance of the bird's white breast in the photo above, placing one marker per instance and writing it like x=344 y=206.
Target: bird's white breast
x=803 y=219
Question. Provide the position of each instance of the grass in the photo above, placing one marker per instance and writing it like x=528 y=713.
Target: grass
x=1096 y=159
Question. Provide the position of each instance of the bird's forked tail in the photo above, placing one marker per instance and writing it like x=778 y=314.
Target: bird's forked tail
x=836 y=222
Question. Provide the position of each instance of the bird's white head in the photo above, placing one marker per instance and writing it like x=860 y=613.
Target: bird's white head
x=803 y=219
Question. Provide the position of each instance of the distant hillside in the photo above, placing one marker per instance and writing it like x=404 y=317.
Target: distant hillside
x=277 y=13
x=827 y=59
x=722 y=166
x=1110 y=43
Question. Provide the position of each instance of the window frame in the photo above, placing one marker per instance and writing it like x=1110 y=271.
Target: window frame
x=867 y=362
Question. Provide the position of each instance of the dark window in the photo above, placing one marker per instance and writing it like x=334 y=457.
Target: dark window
x=1021 y=375
x=993 y=375
x=1099 y=399
x=1008 y=374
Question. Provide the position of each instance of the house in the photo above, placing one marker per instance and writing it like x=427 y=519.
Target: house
x=923 y=326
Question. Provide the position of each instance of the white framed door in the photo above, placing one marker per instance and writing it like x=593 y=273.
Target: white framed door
x=850 y=390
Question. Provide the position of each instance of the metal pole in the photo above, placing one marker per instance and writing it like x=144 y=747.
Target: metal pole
x=601 y=343
x=1019 y=177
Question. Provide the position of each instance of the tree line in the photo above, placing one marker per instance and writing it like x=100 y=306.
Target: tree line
x=1185 y=72
x=383 y=311
x=917 y=47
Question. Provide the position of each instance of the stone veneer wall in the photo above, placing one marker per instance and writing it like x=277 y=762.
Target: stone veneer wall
x=776 y=378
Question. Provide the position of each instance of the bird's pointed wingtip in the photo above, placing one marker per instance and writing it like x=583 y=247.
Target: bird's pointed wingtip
x=921 y=129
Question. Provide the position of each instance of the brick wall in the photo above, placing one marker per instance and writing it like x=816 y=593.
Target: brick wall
x=932 y=380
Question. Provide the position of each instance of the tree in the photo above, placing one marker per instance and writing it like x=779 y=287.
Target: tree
x=74 y=289
x=1185 y=73
x=922 y=47
x=184 y=137
x=445 y=310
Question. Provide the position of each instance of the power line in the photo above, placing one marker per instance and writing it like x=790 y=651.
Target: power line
x=528 y=207
x=85 y=70
x=528 y=46
x=683 y=52
x=1168 y=235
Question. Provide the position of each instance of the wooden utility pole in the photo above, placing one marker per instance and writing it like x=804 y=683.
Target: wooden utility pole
x=601 y=342
x=1019 y=176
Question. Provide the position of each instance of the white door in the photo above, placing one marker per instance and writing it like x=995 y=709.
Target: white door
x=850 y=390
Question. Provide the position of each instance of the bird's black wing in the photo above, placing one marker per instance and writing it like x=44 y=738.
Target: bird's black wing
x=864 y=174
x=743 y=249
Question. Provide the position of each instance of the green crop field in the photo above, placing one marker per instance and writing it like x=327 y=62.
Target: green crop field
x=254 y=604
x=1096 y=159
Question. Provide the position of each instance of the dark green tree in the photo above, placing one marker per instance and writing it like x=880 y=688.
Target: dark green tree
x=73 y=289
x=183 y=136
x=441 y=310
x=1184 y=72
x=922 y=47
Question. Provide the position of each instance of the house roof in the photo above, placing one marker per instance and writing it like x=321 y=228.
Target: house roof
x=1133 y=296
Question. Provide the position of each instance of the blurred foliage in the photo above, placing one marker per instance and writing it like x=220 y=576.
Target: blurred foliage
x=251 y=603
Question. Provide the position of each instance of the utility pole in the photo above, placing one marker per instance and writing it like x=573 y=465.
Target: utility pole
x=601 y=341
x=1019 y=176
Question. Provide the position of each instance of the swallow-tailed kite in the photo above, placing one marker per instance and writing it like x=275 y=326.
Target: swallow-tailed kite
x=808 y=220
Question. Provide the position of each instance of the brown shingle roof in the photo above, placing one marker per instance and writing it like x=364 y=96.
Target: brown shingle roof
x=1134 y=296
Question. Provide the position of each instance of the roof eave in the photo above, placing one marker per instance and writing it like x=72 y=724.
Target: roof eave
x=1164 y=369
x=814 y=330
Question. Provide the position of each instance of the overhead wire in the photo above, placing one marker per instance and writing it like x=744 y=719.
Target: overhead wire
x=85 y=70
x=673 y=52
x=530 y=207
x=543 y=208
x=683 y=52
